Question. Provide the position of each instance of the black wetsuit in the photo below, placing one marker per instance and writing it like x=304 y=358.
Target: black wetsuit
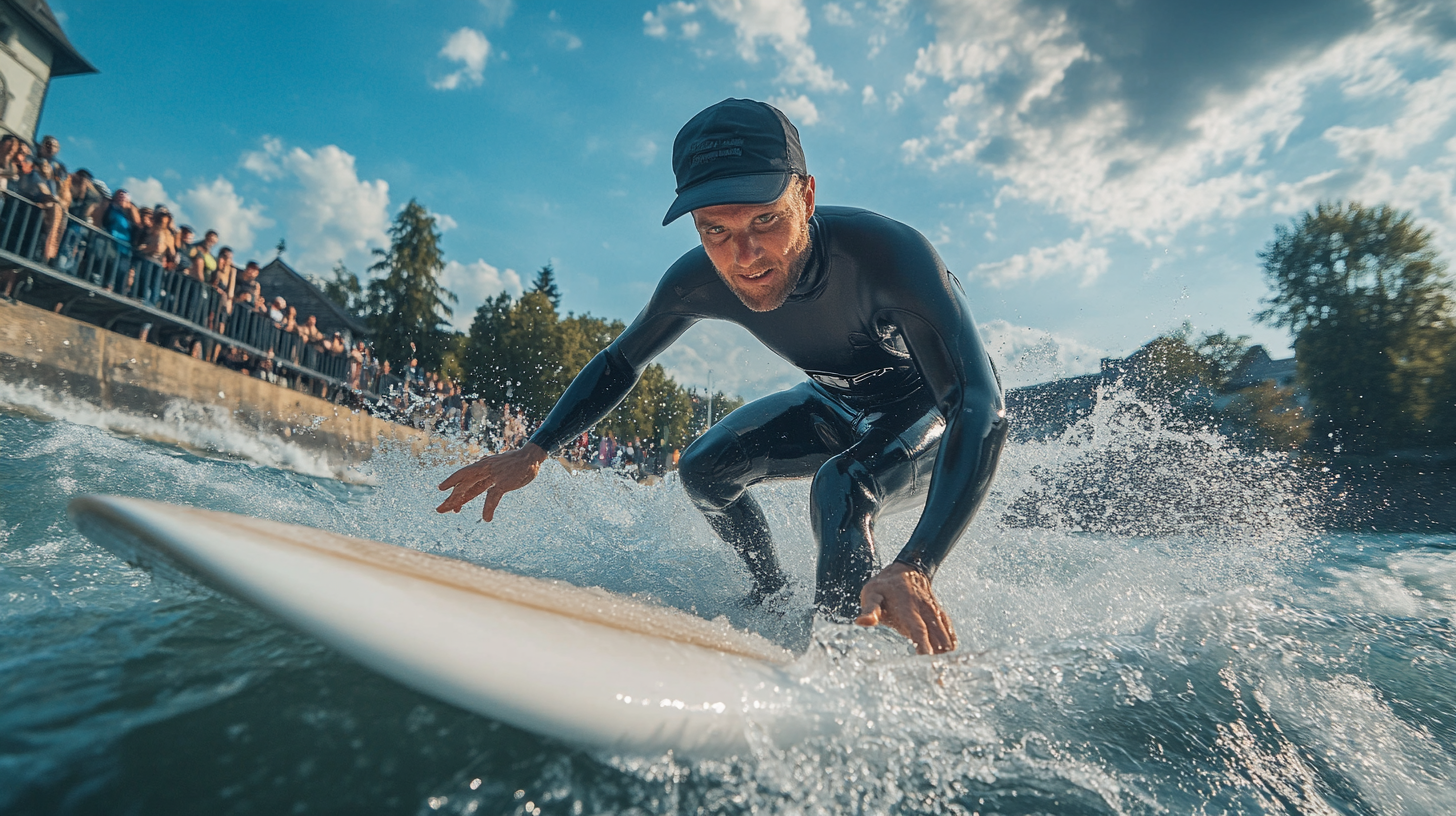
x=903 y=401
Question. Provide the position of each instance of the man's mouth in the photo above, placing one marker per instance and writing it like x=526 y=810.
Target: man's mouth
x=759 y=275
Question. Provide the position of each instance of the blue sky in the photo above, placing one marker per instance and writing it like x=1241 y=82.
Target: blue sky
x=1094 y=172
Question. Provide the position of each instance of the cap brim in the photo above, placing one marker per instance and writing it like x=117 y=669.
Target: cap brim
x=759 y=188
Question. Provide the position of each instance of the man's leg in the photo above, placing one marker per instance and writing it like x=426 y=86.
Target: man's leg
x=889 y=464
x=785 y=435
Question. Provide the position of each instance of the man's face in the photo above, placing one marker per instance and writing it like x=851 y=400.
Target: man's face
x=760 y=250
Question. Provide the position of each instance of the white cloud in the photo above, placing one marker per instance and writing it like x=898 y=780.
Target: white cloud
x=217 y=206
x=263 y=162
x=1074 y=256
x=473 y=283
x=328 y=212
x=837 y=15
x=470 y=48
x=867 y=96
x=1025 y=356
x=800 y=109
x=655 y=24
x=443 y=222
x=784 y=24
x=566 y=40
x=498 y=11
x=149 y=192
x=1147 y=149
x=645 y=151
x=739 y=363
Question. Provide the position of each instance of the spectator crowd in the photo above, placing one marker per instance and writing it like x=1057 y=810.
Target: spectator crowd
x=91 y=232
x=151 y=258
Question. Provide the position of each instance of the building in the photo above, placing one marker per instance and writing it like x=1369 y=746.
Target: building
x=33 y=50
x=1257 y=367
x=1048 y=409
x=278 y=279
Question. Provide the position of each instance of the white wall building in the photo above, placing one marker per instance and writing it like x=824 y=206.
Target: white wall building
x=33 y=50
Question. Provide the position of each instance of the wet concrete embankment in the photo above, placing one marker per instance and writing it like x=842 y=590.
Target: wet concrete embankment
x=81 y=362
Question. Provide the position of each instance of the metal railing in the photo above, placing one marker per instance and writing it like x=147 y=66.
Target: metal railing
x=99 y=263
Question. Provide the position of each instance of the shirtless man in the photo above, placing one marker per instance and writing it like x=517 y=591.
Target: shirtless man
x=902 y=401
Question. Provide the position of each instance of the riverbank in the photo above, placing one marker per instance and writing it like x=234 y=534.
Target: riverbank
x=80 y=362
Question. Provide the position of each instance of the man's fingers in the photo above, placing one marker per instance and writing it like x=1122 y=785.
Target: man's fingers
x=869 y=609
x=919 y=634
x=463 y=495
x=458 y=477
x=492 y=499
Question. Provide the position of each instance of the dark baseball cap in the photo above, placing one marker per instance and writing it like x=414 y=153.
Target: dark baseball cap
x=739 y=151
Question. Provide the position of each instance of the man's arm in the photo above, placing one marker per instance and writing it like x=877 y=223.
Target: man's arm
x=943 y=340
x=599 y=387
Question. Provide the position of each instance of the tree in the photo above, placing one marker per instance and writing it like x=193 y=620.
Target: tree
x=523 y=353
x=546 y=285
x=407 y=305
x=1222 y=352
x=343 y=289
x=1368 y=303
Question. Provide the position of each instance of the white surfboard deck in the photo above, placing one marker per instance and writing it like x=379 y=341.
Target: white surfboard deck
x=582 y=665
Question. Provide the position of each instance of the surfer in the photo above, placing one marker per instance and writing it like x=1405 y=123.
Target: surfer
x=902 y=401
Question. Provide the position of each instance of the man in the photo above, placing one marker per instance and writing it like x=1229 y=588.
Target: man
x=903 y=402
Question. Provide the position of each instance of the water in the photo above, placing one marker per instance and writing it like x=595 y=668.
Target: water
x=1147 y=625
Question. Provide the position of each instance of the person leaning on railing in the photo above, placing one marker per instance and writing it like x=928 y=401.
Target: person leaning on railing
x=9 y=160
x=224 y=278
x=52 y=184
x=116 y=217
x=159 y=246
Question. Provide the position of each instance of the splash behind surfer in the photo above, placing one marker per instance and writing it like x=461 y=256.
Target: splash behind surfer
x=902 y=402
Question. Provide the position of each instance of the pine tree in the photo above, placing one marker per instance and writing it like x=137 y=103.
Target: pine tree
x=407 y=304
x=343 y=289
x=546 y=285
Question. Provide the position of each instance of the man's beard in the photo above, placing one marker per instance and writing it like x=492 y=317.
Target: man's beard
x=770 y=299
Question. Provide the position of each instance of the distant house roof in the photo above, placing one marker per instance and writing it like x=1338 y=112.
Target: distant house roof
x=1257 y=367
x=278 y=278
x=67 y=60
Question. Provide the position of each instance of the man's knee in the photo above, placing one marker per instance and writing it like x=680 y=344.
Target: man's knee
x=714 y=469
x=844 y=489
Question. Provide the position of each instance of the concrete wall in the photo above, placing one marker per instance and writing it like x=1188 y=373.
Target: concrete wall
x=118 y=373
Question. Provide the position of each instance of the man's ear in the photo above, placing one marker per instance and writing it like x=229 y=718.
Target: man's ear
x=808 y=196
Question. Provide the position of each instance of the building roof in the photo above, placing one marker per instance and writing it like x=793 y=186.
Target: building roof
x=278 y=278
x=1256 y=367
x=67 y=60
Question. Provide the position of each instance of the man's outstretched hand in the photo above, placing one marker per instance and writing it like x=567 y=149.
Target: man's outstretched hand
x=495 y=476
x=900 y=597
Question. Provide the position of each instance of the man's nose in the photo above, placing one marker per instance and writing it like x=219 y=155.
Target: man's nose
x=746 y=249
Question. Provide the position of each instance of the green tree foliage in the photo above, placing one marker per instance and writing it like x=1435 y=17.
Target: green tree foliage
x=1191 y=381
x=343 y=289
x=1368 y=303
x=1222 y=353
x=523 y=353
x=1264 y=417
x=406 y=303
x=546 y=285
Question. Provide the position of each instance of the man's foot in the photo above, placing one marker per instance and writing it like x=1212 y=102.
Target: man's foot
x=760 y=593
x=781 y=618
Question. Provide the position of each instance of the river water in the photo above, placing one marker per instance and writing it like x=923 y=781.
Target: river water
x=1147 y=625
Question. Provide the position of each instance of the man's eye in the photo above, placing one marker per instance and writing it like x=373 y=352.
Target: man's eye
x=765 y=218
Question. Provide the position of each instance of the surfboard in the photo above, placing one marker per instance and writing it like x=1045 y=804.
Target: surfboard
x=579 y=664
